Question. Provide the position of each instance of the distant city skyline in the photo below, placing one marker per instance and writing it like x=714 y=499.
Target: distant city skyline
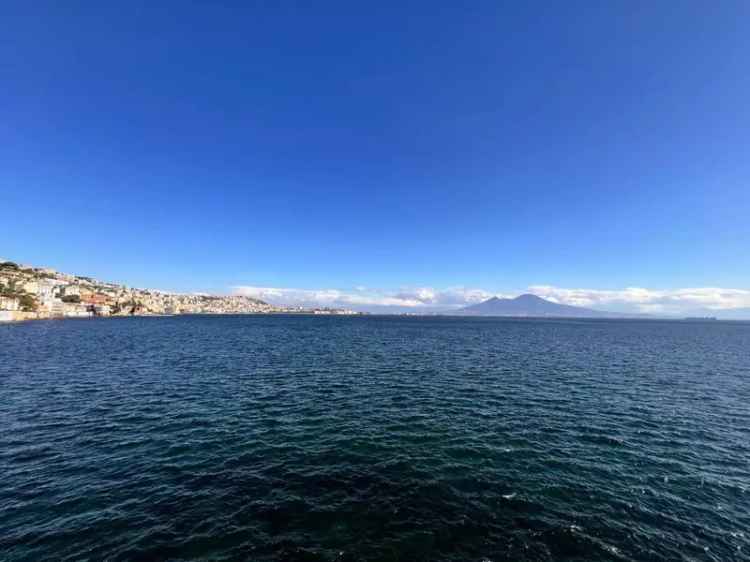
x=408 y=156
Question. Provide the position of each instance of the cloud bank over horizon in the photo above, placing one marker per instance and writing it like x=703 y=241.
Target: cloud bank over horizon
x=429 y=299
x=420 y=299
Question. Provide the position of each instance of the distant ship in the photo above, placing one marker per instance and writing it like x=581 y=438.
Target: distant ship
x=701 y=319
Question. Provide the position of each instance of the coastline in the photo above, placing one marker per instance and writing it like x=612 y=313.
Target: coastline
x=18 y=317
x=39 y=293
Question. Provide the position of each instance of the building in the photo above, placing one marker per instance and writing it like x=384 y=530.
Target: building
x=76 y=310
x=57 y=308
x=71 y=290
x=94 y=299
x=9 y=303
x=101 y=310
x=31 y=287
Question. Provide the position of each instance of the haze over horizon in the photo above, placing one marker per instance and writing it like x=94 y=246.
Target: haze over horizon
x=391 y=158
x=723 y=303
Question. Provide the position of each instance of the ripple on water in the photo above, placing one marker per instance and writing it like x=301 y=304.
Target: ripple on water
x=358 y=439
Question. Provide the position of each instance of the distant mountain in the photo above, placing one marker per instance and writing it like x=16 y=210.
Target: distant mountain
x=532 y=305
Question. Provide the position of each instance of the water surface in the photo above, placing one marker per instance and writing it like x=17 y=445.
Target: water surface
x=391 y=439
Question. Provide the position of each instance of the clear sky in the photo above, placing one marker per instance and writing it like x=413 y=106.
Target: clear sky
x=394 y=147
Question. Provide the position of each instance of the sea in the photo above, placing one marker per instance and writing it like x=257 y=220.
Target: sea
x=374 y=438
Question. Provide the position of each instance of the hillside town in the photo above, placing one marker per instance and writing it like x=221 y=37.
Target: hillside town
x=28 y=293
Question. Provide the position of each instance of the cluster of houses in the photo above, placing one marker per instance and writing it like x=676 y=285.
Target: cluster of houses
x=29 y=292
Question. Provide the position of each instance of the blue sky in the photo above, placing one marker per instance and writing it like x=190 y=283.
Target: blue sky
x=394 y=147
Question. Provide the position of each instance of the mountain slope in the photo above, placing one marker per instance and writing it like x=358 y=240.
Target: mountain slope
x=531 y=305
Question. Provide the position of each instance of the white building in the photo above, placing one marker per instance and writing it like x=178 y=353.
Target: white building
x=9 y=303
x=71 y=290
x=57 y=308
x=31 y=287
x=102 y=310
x=75 y=310
x=46 y=294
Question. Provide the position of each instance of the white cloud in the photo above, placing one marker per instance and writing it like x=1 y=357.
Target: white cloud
x=429 y=299
x=453 y=296
x=649 y=300
x=418 y=298
x=325 y=297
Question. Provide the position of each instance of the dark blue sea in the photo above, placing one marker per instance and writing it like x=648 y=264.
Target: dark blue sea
x=300 y=438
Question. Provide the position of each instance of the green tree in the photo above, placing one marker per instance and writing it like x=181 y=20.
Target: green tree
x=28 y=303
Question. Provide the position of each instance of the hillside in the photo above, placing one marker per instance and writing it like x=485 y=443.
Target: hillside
x=531 y=305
